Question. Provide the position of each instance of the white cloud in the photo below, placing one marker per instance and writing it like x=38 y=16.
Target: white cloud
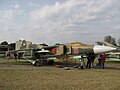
x=17 y=6
x=8 y=14
x=10 y=28
x=63 y=18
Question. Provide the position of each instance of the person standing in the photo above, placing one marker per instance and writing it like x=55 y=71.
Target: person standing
x=8 y=55
x=15 y=55
x=89 y=61
x=99 y=61
x=92 y=60
x=103 y=58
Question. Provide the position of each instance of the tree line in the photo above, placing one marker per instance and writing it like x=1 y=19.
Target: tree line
x=11 y=46
x=112 y=40
x=4 y=46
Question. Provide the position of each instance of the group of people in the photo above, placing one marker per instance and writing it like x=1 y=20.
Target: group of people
x=90 y=62
x=16 y=55
x=101 y=61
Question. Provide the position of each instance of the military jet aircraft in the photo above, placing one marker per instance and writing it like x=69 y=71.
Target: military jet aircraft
x=63 y=51
x=71 y=50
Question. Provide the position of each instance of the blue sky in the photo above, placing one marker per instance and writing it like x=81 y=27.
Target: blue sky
x=59 y=21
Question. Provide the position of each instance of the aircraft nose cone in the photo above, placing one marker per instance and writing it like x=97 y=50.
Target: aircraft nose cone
x=102 y=49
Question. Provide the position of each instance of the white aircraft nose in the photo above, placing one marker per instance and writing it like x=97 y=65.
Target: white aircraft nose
x=102 y=49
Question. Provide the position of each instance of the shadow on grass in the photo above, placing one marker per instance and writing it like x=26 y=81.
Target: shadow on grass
x=113 y=68
x=108 y=65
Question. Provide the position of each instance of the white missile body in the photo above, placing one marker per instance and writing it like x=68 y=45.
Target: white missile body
x=102 y=49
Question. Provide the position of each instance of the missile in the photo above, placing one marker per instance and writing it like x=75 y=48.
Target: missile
x=102 y=49
x=97 y=49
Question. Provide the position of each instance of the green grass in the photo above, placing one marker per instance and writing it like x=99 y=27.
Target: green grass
x=113 y=62
x=51 y=78
x=14 y=62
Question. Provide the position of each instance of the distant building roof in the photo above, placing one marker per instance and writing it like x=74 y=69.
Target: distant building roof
x=76 y=44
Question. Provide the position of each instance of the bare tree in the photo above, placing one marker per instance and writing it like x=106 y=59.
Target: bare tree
x=107 y=39
x=4 y=43
x=119 y=42
x=113 y=41
x=110 y=39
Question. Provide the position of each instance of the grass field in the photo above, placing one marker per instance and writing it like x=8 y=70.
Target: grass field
x=20 y=75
